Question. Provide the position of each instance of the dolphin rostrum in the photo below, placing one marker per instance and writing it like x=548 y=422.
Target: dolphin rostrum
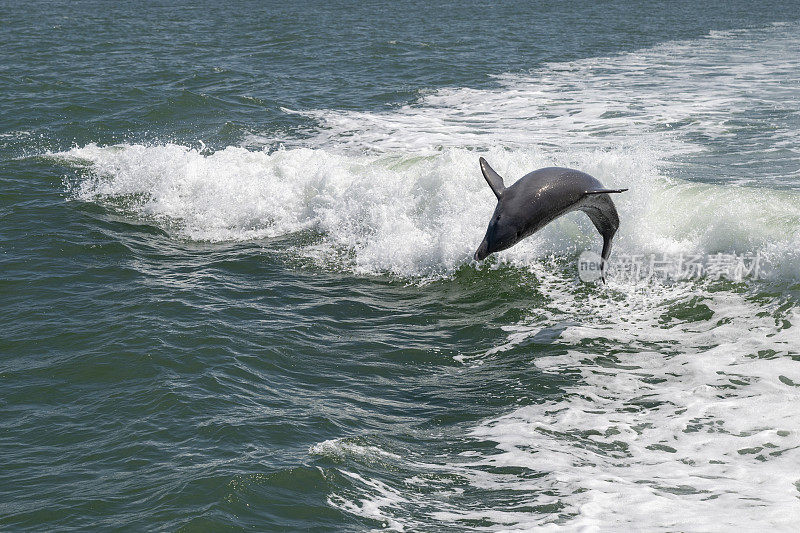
x=540 y=197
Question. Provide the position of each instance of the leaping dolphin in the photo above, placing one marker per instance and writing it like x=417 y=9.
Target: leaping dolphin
x=540 y=197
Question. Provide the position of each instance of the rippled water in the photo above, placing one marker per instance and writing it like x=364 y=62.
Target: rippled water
x=238 y=290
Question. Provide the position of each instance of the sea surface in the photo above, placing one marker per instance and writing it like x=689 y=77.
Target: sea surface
x=236 y=281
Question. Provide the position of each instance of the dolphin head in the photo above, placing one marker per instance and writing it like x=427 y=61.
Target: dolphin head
x=504 y=231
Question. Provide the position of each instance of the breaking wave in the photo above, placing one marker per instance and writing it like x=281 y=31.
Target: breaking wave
x=412 y=215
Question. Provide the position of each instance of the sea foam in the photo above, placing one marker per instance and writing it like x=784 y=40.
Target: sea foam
x=423 y=216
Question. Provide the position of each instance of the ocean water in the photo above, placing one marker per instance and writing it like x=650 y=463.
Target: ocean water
x=238 y=293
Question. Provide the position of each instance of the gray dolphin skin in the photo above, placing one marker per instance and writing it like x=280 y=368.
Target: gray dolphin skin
x=540 y=197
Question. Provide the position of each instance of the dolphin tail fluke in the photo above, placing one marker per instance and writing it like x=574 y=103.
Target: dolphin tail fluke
x=603 y=214
x=604 y=255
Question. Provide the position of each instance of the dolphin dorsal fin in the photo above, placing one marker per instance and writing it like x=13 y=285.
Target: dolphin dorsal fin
x=604 y=191
x=494 y=179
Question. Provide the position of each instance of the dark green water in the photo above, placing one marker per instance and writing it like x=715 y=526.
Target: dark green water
x=235 y=267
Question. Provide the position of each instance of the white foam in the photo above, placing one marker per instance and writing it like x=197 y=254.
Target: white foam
x=694 y=429
x=380 y=502
x=342 y=448
x=423 y=216
x=691 y=426
x=678 y=98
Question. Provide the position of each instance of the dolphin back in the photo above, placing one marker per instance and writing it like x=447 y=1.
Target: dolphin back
x=569 y=190
x=593 y=199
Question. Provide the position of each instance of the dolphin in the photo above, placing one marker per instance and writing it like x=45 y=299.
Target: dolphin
x=540 y=197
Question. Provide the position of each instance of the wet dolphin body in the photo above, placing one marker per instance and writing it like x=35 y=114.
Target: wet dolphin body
x=540 y=197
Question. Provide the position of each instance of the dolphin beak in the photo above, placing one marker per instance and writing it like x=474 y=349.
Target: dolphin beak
x=482 y=252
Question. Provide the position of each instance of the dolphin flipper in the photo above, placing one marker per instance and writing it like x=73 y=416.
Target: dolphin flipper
x=602 y=191
x=494 y=179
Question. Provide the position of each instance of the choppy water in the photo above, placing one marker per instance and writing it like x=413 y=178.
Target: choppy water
x=235 y=266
